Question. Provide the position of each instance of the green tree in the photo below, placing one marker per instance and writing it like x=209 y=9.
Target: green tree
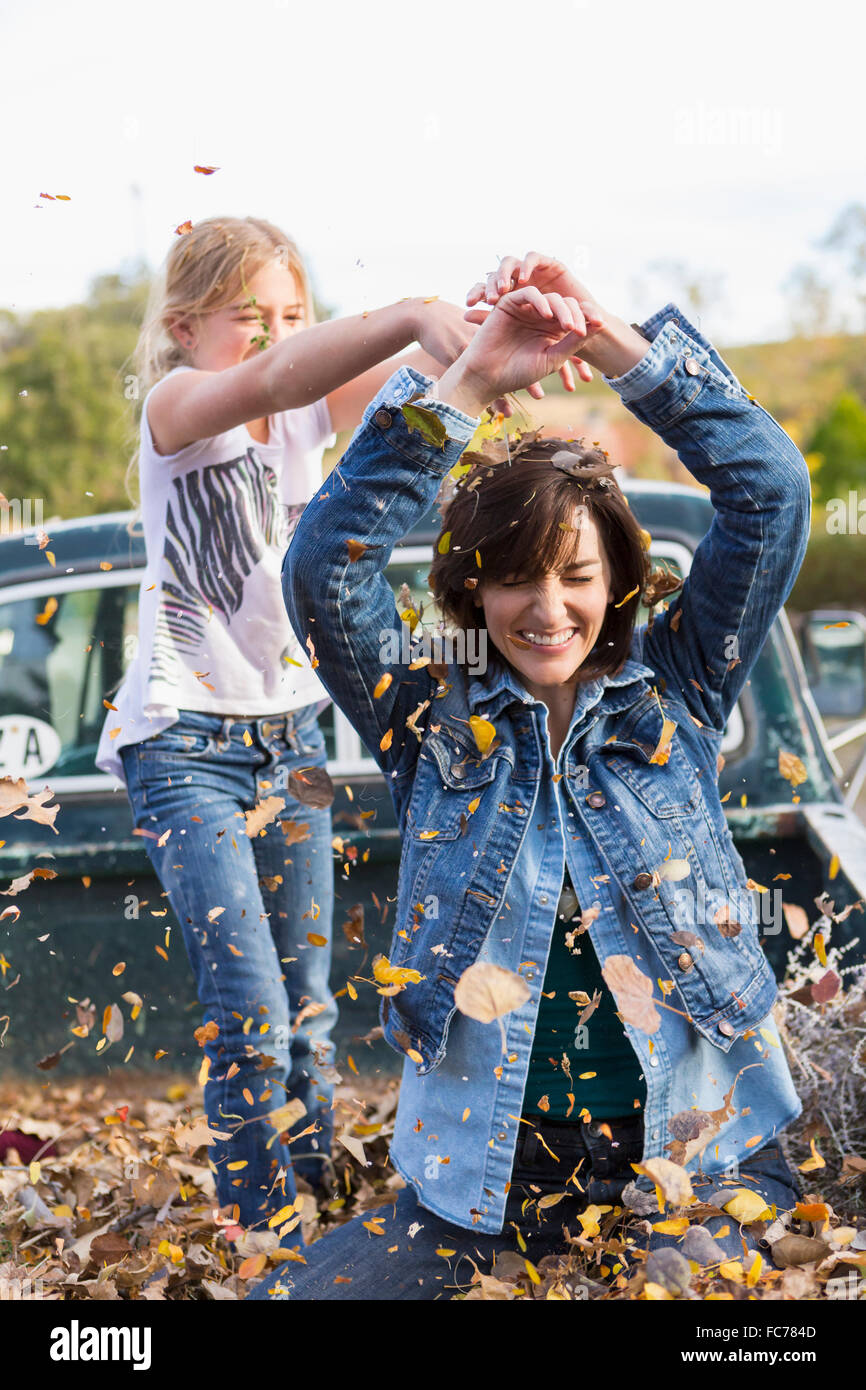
x=67 y=406
x=840 y=440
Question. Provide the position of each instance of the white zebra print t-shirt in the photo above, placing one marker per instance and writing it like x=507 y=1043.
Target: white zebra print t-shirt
x=214 y=634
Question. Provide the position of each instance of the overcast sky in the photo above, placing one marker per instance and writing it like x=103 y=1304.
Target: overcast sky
x=407 y=146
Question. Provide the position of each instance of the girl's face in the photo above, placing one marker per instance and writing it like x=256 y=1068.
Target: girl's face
x=240 y=330
x=545 y=628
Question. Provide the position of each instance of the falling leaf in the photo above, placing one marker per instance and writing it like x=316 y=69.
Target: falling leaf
x=191 y=1136
x=205 y=168
x=662 y=750
x=427 y=423
x=633 y=991
x=796 y=920
x=726 y=924
x=183 y=229
x=826 y=988
x=792 y=768
x=672 y=870
x=672 y=1181
x=813 y=1163
x=356 y=549
x=353 y=927
x=315 y=939
x=385 y=741
x=14 y=796
x=382 y=685
x=388 y=974
x=482 y=731
x=820 y=948
x=312 y=786
x=486 y=992
x=262 y=814
x=47 y=613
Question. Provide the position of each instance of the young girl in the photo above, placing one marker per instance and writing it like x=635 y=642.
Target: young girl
x=214 y=729
x=558 y=804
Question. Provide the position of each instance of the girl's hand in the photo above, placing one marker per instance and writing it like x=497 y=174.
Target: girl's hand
x=550 y=277
x=525 y=337
x=441 y=329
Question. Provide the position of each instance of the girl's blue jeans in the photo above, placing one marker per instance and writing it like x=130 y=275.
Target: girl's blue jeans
x=248 y=907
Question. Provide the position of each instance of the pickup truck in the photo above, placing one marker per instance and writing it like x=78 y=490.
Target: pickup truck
x=67 y=632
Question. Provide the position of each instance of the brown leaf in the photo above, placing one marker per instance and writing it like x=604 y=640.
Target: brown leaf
x=353 y=926
x=826 y=988
x=693 y=1129
x=486 y=992
x=262 y=814
x=109 y=1248
x=671 y=1179
x=356 y=549
x=207 y=1032
x=633 y=992
x=688 y=938
x=312 y=786
x=295 y=832
x=727 y=925
x=793 y=1249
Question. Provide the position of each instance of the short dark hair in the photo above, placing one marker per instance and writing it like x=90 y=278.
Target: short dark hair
x=514 y=511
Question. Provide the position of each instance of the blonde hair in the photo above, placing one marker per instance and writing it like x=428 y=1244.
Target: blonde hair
x=207 y=269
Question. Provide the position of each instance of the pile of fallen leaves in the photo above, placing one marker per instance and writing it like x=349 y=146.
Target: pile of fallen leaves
x=109 y=1193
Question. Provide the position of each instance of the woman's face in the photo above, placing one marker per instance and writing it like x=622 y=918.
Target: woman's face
x=241 y=330
x=545 y=628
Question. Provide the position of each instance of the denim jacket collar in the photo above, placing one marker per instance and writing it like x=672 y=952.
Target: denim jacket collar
x=492 y=692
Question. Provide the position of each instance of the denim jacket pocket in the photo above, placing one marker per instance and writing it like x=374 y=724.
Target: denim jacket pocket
x=451 y=776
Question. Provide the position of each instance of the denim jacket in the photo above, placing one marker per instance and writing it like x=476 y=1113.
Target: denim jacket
x=485 y=839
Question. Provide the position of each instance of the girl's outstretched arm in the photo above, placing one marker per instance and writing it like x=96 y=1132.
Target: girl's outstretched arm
x=302 y=368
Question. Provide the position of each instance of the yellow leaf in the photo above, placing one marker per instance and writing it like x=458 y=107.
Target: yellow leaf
x=63 y=1212
x=816 y=1161
x=754 y=1273
x=482 y=731
x=382 y=685
x=385 y=741
x=655 y=1292
x=532 y=1272
x=820 y=948
x=444 y=543
x=676 y=1226
x=315 y=939
x=792 y=768
x=388 y=974
x=732 y=1269
x=446 y=1254
x=282 y=1215
x=35 y=1170
x=834 y=867
x=251 y=1267
x=473 y=805
x=746 y=1206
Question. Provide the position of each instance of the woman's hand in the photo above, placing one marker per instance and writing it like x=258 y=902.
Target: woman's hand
x=525 y=337
x=550 y=277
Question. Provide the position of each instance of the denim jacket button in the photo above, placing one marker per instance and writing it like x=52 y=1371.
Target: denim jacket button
x=727 y=1028
x=684 y=961
x=457 y=770
x=596 y=800
x=692 y=366
x=642 y=881
x=382 y=418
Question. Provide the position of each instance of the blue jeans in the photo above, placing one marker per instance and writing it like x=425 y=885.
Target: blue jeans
x=245 y=907
x=370 y=1268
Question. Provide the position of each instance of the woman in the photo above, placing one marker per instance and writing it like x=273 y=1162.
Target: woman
x=586 y=754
